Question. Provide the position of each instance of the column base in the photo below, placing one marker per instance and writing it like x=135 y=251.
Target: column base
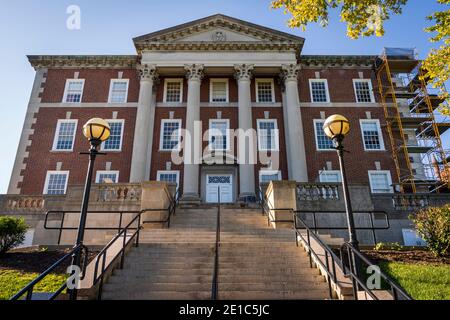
x=190 y=200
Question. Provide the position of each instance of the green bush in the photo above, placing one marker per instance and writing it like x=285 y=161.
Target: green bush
x=388 y=246
x=433 y=225
x=12 y=233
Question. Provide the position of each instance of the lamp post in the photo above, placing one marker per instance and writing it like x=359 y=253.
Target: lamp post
x=96 y=131
x=336 y=127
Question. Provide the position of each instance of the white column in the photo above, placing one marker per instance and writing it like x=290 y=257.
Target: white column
x=296 y=156
x=145 y=121
x=192 y=152
x=246 y=170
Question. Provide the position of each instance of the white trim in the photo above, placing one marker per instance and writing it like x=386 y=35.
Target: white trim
x=228 y=148
x=315 y=121
x=161 y=133
x=389 y=177
x=177 y=172
x=277 y=135
x=56 y=137
x=102 y=148
x=272 y=83
x=324 y=172
x=263 y=172
x=127 y=81
x=227 y=82
x=181 y=81
x=47 y=178
x=369 y=81
x=66 y=88
x=380 y=134
x=327 y=92
x=99 y=172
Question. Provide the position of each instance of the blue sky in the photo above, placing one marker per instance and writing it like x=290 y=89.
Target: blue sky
x=107 y=27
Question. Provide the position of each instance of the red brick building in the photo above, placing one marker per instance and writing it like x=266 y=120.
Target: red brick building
x=224 y=73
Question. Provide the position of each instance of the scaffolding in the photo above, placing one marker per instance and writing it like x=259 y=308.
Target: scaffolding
x=413 y=122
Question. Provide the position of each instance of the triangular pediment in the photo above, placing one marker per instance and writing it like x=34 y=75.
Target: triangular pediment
x=218 y=29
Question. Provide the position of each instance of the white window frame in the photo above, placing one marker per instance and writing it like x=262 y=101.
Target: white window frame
x=99 y=172
x=272 y=83
x=56 y=137
x=102 y=148
x=47 y=180
x=269 y=172
x=315 y=121
x=166 y=81
x=369 y=81
x=380 y=134
x=66 y=89
x=277 y=135
x=210 y=131
x=327 y=92
x=127 y=81
x=215 y=80
x=161 y=135
x=387 y=172
x=324 y=172
x=160 y=172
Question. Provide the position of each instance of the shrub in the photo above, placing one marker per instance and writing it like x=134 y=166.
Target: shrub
x=380 y=246
x=12 y=233
x=433 y=225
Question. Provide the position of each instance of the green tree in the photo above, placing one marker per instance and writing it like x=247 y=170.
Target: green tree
x=12 y=233
x=367 y=17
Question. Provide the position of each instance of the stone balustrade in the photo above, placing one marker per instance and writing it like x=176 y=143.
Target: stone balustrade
x=130 y=192
x=418 y=201
x=15 y=203
x=317 y=191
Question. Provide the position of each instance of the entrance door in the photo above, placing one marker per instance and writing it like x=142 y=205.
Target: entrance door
x=222 y=181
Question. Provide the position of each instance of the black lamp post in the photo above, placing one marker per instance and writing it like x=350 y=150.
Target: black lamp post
x=336 y=127
x=96 y=131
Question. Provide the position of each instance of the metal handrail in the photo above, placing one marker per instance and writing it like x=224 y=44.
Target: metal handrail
x=397 y=292
x=215 y=279
x=28 y=290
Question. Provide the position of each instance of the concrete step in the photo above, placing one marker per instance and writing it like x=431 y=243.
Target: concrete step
x=158 y=295
x=317 y=294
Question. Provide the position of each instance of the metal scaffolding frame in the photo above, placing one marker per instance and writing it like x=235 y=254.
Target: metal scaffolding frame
x=413 y=122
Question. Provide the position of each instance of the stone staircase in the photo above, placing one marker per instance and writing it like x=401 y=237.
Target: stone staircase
x=256 y=261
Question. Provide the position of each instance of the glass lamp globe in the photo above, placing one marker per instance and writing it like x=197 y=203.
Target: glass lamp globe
x=336 y=125
x=97 y=129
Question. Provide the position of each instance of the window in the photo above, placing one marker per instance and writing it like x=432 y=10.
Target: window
x=265 y=92
x=267 y=135
x=114 y=143
x=322 y=141
x=372 y=136
x=319 y=90
x=330 y=176
x=56 y=182
x=118 y=91
x=169 y=176
x=73 y=92
x=363 y=91
x=219 y=134
x=173 y=90
x=219 y=90
x=107 y=177
x=65 y=135
x=266 y=176
x=170 y=135
x=380 y=181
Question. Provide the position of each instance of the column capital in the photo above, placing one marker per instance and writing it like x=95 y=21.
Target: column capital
x=148 y=72
x=243 y=71
x=194 y=72
x=290 y=72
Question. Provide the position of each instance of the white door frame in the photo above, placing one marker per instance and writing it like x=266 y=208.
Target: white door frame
x=218 y=184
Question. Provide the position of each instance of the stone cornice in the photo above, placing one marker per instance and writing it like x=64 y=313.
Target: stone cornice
x=88 y=61
x=338 y=61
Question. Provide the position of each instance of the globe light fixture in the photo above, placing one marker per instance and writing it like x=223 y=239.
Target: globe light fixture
x=96 y=131
x=337 y=127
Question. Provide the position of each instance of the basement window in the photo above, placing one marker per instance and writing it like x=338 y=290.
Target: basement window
x=265 y=176
x=169 y=176
x=330 y=176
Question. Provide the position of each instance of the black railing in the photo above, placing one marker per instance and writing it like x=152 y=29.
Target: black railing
x=29 y=289
x=215 y=279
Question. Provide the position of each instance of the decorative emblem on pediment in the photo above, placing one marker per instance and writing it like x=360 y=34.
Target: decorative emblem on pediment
x=219 y=36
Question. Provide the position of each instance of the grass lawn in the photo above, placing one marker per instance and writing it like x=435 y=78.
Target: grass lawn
x=421 y=281
x=12 y=281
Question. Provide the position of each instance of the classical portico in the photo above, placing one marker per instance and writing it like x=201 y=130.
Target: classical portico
x=218 y=46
